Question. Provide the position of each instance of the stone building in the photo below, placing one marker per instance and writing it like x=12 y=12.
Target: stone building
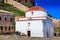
x=24 y=2
x=6 y=22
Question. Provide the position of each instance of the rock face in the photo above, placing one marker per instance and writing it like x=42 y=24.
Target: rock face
x=17 y=5
x=28 y=3
x=56 y=24
x=20 y=4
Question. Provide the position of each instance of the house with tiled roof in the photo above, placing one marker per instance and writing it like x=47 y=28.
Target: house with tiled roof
x=36 y=23
x=6 y=22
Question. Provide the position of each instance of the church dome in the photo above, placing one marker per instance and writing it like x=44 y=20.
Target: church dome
x=36 y=11
x=36 y=8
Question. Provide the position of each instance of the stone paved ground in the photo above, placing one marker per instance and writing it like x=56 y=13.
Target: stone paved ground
x=16 y=37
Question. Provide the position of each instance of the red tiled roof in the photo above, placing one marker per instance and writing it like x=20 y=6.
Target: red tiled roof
x=35 y=8
x=17 y=17
x=30 y=19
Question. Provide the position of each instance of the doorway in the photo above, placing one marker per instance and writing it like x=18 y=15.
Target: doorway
x=29 y=33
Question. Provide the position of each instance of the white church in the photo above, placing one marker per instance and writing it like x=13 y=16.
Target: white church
x=36 y=23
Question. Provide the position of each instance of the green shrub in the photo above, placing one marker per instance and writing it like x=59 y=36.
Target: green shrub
x=12 y=9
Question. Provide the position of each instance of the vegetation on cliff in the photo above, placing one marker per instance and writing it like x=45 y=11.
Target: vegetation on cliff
x=11 y=8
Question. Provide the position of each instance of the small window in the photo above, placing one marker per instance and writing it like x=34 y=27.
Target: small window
x=10 y=19
x=1 y=28
x=32 y=13
x=9 y=28
x=25 y=0
x=5 y=18
x=28 y=24
x=0 y=18
x=54 y=34
x=30 y=1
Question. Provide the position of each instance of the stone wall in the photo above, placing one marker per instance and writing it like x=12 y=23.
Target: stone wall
x=27 y=3
x=17 y=5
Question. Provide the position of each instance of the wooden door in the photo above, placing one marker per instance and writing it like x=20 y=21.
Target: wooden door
x=28 y=33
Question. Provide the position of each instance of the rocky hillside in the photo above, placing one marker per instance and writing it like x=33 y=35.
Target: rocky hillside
x=56 y=23
x=12 y=9
x=16 y=37
x=17 y=5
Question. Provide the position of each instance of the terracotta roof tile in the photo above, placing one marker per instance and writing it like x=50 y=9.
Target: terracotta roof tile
x=35 y=8
x=17 y=17
x=30 y=19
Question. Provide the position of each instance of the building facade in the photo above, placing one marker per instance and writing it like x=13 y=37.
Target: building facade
x=6 y=22
x=35 y=23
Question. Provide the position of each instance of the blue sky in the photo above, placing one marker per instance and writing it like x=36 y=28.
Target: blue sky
x=52 y=6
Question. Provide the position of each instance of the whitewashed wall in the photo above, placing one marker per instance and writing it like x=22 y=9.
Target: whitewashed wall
x=36 y=27
x=21 y=26
x=48 y=27
x=36 y=14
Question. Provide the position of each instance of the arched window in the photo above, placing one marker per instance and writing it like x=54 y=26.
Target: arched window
x=10 y=19
x=1 y=28
x=0 y=18
x=32 y=13
x=25 y=0
x=9 y=28
x=5 y=18
x=31 y=1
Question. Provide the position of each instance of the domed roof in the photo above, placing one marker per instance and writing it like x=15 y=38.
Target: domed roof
x=36 y=8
